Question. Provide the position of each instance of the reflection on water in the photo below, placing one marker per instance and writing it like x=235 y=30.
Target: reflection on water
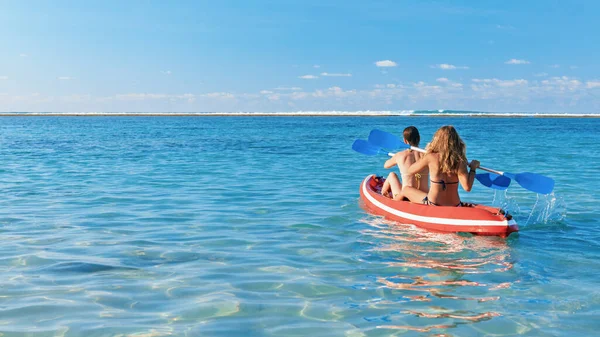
x=439 y=280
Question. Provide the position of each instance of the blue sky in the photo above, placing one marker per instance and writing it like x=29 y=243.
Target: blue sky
x=282 y=55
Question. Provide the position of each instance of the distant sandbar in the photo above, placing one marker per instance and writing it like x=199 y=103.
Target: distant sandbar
x=294 y=114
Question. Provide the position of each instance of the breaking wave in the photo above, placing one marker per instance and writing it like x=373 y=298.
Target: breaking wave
x=417 y=113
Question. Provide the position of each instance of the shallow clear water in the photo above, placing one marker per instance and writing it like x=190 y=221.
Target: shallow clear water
x=229 y=226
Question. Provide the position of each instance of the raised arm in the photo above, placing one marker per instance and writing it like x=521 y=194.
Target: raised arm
x=393 y=161
x=419 y=165
x=467 y=178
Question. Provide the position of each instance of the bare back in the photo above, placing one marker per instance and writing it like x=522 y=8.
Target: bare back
x=418 y=180
x=444 y=186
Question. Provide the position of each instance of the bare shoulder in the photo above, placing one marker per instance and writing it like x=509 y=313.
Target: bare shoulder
x=424 y=156
x=432 y=156
x=431 y=159
x=401 y=155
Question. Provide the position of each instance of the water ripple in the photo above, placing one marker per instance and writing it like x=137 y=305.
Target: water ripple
x=213 y=226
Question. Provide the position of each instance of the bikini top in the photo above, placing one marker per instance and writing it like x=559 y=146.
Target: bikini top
x=408 y=176
x=444 y=183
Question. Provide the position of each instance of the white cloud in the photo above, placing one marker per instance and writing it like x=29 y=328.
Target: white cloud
x=316 y=66
x=592 y=84
x=517 y=61
x=144 y=97
x=573 y=67
x=567 y=89
x=555 y=66
x=394 y=86
x=500 y=83
x=33 y=98
x=336 y=75
x=438 y=92
x=386 y=63
x=332 y=92
x=189 y=97
x=76 y=98
x=220 y=95
x=298 y=95
x=3 y=77
x=505 y=27
x=445 y=66
x=166 y=72
x=422 y=90
x=65 y=78
x=288 y=88
x=139 y=97
x=540 y=74
x=339 y=92
x=308 y=77
x=561 y=84
x=249 y=96
x=449 y=84
x=273 y=97
x=493 y=88
x=511 y=83
x=23 y=55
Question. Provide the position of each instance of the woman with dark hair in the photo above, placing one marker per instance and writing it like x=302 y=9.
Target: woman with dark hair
x=404 y=160
x=447 y=163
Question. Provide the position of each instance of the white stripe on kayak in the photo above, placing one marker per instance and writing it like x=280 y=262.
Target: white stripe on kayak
x=440 y=221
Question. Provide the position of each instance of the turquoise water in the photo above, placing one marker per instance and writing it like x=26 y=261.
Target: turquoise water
x=251 y=226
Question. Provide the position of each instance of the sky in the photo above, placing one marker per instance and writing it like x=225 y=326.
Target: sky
x=301 y=55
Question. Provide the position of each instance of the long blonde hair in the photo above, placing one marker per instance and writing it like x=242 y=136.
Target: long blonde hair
x=451 y=149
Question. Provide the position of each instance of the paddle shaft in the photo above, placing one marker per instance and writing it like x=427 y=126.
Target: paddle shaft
x=418 y=149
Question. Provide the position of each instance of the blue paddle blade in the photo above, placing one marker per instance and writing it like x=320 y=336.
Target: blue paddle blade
x=364 y=147
x=484 y=179
x=386 y=140
x=493 y=180
x=535 y=182
x=499 y=182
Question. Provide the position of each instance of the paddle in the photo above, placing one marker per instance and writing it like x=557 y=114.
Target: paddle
x=530 y=181
x=493 y=180
x=364 y=147
x=388 y=140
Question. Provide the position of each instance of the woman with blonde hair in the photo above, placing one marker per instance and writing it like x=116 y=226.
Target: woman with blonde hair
x=447 y=162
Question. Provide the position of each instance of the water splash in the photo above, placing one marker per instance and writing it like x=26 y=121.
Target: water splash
x=502 y=200
x=548 y=208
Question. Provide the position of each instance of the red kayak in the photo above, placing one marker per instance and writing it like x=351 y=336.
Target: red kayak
x=470 y=218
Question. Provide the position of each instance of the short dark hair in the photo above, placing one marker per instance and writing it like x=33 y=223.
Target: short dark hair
x=411 y=135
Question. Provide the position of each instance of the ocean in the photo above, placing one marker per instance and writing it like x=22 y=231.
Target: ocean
x=252 y=226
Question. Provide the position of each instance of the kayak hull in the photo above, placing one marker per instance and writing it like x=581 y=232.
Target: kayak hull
x=476 y=219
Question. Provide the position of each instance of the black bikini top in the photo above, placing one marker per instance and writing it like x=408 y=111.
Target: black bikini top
x=444 y=183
